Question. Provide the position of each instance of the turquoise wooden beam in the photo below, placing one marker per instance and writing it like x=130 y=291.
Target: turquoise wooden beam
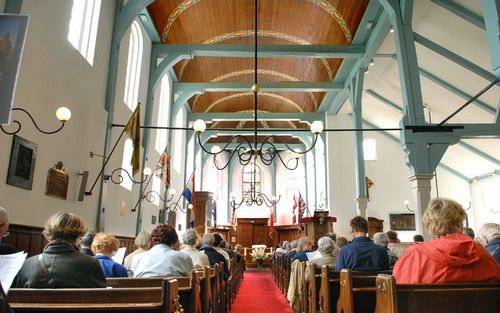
x=264 y=51
x=265 y=116
x=455 y=57
x=355 y=96
x=441 y=165
x=148 y=24
x=491 y=10
x=461 y=143
x=264 y=86
x=485 y=176
x=13 y=6
x=128 y=14
x=461 y=11
x=470 y=131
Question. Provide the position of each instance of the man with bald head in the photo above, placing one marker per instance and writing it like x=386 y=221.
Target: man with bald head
x=4 y=226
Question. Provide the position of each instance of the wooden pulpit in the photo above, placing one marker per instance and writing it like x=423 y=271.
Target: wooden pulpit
x=318 y=225
x=374 y=226
x=202 y=208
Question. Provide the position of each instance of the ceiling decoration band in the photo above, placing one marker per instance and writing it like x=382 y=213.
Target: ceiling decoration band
x=262 y=72
x=292 y=125
x=264 y=94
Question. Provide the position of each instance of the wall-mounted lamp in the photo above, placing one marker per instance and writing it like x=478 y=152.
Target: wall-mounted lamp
x=407 y=205
x=63 y=114
x=117 y=177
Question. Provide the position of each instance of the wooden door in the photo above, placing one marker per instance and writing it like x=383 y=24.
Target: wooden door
x=253 y=231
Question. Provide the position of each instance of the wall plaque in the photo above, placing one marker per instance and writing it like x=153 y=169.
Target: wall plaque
x=57 y=182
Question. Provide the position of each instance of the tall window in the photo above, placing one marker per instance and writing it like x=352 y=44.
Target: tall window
x=128 y=149
x=82 y=32
x=163 y=114
x=133 y=66
x=292 y=182
x=248 y=179
x=177 y=153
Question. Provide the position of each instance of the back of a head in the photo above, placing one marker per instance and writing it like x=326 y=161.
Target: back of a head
x=443 y=216
x=469 y=232
x=359 y=224
x=4 y=222
x=304 y=243
x=294 y=244
x=189 y=237
x=105 y=244
x=208 y=239
x=332 y=236
x=489 y=231
x=342 y=241
x=381 y=239
x=143 y=240
x=327 y=246
x=238 y=247
x=392 y=235
x=165 y=234
x=87 y=239
x=64 y=227
x=285 y=245
x=218 y=240
x=418 y=238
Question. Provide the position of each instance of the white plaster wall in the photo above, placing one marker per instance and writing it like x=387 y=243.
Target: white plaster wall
x=284 y=208
x=52 y=74
x=177 y=173
x=2 y=5
x=219 y=188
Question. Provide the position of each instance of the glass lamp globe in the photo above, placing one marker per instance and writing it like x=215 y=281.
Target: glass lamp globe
x=215 y=150
x=63 y=114
x=172 y=191
x=199 y=126
x=147 y=171
x=317 y=127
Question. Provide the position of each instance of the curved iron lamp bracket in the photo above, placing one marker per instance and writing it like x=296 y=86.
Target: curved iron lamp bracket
x=258 y=198
x=117 y=178
x=19 y=126
x=151 y=196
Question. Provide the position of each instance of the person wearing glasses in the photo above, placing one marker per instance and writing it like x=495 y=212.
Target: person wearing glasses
x=4 y=226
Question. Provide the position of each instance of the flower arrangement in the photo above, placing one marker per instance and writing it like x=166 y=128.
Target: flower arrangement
x=259 y=255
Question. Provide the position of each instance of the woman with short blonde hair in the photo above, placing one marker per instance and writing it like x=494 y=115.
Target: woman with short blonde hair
x=104 y=247
x=143 y=243
x=451 y=256
x=61 y=265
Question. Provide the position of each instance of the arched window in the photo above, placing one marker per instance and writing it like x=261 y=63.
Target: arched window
x=128 y=149
x=83 y=24
x=248 y=179
x=133 y=66
x=292 y=182
x=163 y=114
x=178 y=153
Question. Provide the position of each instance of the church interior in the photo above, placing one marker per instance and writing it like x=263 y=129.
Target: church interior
x=260 y=120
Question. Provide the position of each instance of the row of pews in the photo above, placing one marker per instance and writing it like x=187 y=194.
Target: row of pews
x=327 y=290
x=205 y=291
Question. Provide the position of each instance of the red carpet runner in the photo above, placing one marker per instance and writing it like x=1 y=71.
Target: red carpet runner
x=259 y=293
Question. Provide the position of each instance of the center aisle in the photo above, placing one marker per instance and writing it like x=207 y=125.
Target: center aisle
x=259 y=293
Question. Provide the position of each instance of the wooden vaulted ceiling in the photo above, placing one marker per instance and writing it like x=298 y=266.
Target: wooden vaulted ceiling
x=280 y=22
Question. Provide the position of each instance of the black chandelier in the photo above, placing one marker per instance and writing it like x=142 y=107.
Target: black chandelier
x=63 y=114
x=247 y=152
x=169 y=205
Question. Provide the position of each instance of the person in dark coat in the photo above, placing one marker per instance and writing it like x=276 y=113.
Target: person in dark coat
x=213 y=256
x=86 y=243
x=61 y=265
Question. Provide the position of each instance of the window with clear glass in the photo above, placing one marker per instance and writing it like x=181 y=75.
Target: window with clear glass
x=133 y=66
x=128 y=149
x=82 y=33
x=251 y=175
x=370 y=149
x=163 y=114
x=178 y=152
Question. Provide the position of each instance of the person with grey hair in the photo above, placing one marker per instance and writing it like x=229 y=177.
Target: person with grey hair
x=329 y=250
x=489 y=236
x=4 y=226
x=207 y=247
x=86 y=243
x=281 y=249
x=199 y=259
x=382 y=239
x=143 y=243
x=291 y=253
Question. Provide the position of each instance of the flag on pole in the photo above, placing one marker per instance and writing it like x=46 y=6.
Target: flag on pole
x=189 y=195
x=294 y=220
x=271 y=223
x=302 y=206
x=133 y=130
x=233 y=215
x=162 y=169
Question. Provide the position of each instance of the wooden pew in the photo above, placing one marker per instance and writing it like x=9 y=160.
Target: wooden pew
x=329 y=290
x=432 y=298
x=357 y=291
x=314 y=287
x=162 y=299
x=215 y=287
x=304 y=289
x=206 y=291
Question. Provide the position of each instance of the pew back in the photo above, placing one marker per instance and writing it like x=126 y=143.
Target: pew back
x=433 y=298
x=329 y=290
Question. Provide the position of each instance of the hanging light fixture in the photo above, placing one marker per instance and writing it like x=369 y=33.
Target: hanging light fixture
x=63 y=114
x=248 y=152
x=245 y=150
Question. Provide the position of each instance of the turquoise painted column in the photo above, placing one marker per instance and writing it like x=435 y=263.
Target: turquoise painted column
x=230 y=189
x=491 y=11
x=327 y=172
x=355 y=95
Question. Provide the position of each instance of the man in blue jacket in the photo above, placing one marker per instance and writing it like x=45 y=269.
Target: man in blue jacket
x=362 y=254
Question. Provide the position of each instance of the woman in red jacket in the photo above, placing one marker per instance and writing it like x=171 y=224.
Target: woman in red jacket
x=451 y=257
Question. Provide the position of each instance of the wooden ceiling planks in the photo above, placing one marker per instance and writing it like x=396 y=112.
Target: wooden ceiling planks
x=280 y=22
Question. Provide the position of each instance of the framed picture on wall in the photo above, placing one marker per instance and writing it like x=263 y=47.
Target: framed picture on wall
x=403 y=221
x=22 y=163
x=12 y=33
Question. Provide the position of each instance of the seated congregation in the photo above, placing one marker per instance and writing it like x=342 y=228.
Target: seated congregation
x=450 y=273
